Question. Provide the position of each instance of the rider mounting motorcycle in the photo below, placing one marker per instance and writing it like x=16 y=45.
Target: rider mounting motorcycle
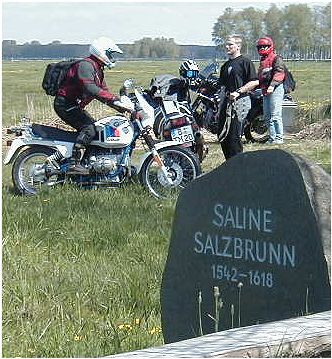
x=83 y=83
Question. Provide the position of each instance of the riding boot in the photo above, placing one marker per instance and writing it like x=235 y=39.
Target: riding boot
x=75 y=166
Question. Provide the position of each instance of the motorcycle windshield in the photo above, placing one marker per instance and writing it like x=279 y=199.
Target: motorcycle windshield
x=208 y=71
x=147 y=110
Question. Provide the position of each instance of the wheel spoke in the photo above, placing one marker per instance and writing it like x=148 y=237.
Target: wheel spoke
x=181 y=168
x=29 y=171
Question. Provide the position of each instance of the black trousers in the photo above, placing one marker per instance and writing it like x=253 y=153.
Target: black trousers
x=74 y=116
x=232 y=144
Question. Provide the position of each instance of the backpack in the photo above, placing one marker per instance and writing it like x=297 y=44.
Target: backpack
x=54 y=75
x=289 y=82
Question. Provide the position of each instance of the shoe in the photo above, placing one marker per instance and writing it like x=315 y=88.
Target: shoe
x=270 y=142
x=77 y=169
x=279 y=142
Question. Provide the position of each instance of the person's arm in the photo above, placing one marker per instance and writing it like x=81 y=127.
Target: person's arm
x=250 y=85
x=86 y=75
x=278 y=72
x=222 y=81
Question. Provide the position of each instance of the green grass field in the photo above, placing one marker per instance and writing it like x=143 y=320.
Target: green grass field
x=82 y=269
x=23 y=95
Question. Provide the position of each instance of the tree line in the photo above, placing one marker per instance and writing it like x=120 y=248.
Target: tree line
x=299 y=31
x=159 y=48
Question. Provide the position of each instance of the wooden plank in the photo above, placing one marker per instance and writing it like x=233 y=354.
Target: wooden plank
x=293 y=336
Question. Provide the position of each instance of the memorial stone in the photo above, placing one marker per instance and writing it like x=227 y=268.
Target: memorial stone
x=250 y=244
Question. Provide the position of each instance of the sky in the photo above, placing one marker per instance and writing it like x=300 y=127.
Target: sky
x=79 y=22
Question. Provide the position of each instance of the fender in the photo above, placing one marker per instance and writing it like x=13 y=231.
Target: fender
x=65 y=148
x=158 y=146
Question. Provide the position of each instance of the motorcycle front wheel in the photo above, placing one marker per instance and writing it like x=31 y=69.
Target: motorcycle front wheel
x=182 y=167
x=29 y=172
x=256 y=130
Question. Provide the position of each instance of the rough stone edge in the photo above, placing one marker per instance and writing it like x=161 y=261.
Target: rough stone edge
x=310 y=346
x=316 y=180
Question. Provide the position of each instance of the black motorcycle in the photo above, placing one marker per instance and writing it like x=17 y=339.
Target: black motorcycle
x=206 y=106
x=168 y=95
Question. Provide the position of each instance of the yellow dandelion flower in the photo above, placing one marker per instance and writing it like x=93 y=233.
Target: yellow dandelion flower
x=155 y=330
x=77 y=338
x=125 y=327
x=137 y=321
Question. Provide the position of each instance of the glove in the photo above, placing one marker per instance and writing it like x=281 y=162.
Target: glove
x=115 y=98
x=116 y=102
x=119 y=106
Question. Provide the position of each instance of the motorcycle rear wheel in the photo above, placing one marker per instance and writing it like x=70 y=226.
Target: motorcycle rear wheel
x=182 y=167
x=29 y=173
x=256 y=130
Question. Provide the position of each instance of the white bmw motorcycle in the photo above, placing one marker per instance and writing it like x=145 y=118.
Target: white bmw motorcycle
x=164 y=167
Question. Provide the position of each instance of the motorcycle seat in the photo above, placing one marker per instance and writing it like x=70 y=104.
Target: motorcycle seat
x=53 y=133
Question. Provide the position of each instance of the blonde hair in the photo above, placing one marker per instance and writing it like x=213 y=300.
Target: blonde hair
x=237 y=39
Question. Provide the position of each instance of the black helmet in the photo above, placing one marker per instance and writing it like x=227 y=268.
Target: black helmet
x=189 y=69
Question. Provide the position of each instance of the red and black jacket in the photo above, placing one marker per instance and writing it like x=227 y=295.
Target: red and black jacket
x=85 y=82
x=271 y=71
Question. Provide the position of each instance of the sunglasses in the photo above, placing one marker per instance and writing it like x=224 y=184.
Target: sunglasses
x=262 y=47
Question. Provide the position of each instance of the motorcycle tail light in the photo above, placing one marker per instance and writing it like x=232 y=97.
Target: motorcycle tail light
x=178 y=122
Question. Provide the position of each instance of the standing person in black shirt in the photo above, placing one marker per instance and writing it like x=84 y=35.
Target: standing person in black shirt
x=238 y=75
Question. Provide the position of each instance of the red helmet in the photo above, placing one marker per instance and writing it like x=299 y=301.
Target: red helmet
x=265 y=46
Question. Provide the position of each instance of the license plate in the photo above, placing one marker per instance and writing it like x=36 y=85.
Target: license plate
x=182 y=134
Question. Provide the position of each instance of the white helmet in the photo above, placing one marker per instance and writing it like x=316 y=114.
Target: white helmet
x=102 y=48
x=189 y=69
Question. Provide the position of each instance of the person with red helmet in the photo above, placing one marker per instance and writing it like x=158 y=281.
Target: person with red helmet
x=271 y=74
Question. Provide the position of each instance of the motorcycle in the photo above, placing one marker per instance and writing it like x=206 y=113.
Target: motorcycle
x=173 y=117
x=206 y=105
x=254 y=127
x=164 y=168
